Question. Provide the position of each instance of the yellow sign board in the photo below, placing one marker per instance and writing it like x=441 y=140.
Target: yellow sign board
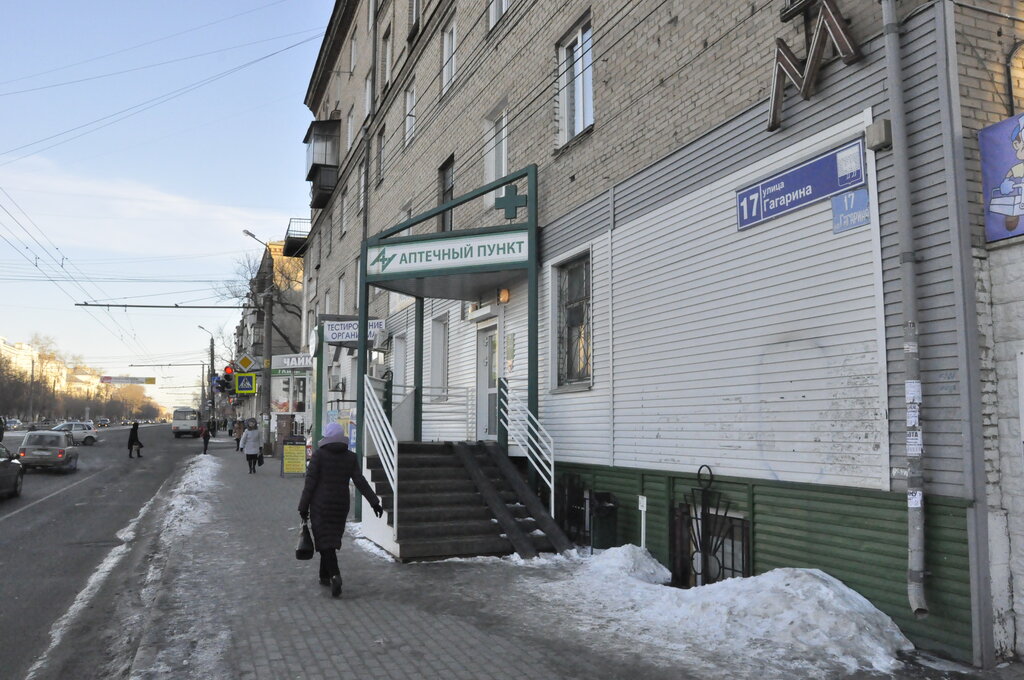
x=246 y=362
x=294 y=459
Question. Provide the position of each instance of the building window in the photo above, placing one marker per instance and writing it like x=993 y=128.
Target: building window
x=362 y=185
x=341 y=294
x=576 y=86
x=381 y=140
x=439 y=358
x=359 y=286
x=353 y=50
x=448 y=47
x=349 y=130
x=410 y=112
x=414 y=16
x=574 y=321
x=368 y=93
x=330 y=221
x=496 y=155
x=385 y=57
x=446 y=192
x=497 y=10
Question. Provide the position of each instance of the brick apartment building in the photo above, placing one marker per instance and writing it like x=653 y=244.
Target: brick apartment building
x=794 y=291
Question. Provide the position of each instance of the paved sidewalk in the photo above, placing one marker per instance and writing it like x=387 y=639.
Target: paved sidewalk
x=235 y=603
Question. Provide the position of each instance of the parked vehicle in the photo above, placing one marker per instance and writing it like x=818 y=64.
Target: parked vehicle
x=185 y=421
x=51 y=449
x=44 y=424
x=12 y=424
x=11 y=473
x=81 y=433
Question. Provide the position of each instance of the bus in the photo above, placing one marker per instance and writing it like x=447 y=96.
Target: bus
x=185 y=421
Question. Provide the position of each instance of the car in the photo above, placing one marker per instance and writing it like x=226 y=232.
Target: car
x=44 y=424
x=12 y=424
x=49 y=449
x=81 y=433
x=102 y=422
x=11 y=472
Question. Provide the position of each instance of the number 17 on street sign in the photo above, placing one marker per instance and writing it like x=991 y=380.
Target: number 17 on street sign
x=245 y=383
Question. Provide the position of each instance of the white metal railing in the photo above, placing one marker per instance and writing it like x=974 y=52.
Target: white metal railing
x=527 y=432
x=446 y=412
x=379 y=429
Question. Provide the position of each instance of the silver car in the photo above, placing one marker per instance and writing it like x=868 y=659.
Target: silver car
x=49 y=450
x=81 y=433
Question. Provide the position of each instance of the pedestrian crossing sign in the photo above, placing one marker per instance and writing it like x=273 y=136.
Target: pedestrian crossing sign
x=245 y=383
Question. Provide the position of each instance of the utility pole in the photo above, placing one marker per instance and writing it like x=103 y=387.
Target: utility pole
x=268 y=352
x=202 y=388
x=31 y=389
x=213 y=395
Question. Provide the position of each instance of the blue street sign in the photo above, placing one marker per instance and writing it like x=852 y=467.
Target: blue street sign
x=245 y=383
x=850 y=210
x=835 y=172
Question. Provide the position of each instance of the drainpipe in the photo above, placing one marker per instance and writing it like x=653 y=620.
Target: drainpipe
x=908 y=284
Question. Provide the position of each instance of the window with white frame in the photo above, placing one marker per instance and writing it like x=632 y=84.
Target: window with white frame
x=574 y=322
x=342 y=215
x=341 y=294
x=359 y=286
x=381 y=141
x=446 y=192
x=496 y=146
x=349 y=129
x=362 y=186
x=449 y=45
x=497 y=10
x=410 y=112
x=353 y=51
x=385 y=57
x=368 y=93
x=576 y=82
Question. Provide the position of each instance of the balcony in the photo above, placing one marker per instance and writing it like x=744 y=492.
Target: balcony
x=323 y=143
x=296 y=237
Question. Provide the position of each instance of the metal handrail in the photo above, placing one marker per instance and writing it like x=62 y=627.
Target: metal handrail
x=529 y=434
x=384 y=440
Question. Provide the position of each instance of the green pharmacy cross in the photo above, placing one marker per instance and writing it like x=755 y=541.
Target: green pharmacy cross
x=511 y=202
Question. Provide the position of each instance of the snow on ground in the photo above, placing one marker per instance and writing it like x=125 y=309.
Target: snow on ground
x=355 y=530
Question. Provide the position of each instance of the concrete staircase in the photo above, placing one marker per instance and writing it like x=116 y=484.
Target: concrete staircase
x=441 y=511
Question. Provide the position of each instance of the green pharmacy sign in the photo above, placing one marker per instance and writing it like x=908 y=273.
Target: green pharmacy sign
x=433 y=255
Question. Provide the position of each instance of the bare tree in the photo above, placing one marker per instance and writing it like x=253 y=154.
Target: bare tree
x=253 y=278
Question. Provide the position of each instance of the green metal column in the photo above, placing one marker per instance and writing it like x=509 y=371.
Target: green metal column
x=417 y=427
x=364 y=315
x=318 y=383
x=533 y=400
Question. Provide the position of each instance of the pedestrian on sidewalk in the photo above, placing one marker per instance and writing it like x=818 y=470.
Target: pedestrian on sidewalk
x=204 y=432
x=250 y=444
x=237 y=433
x=325 y=499
x=134 y=444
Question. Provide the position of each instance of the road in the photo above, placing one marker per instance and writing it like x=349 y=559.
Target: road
x=60 y=532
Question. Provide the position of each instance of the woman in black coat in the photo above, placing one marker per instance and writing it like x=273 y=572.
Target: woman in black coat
x=134 y=445
x=325 y=499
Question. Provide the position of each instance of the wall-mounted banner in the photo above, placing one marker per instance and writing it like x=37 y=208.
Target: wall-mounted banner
x=1002 y=178
x=835 y=172
x=125 y=380
x=348 y=331
x=432 y=255
x=291 y=361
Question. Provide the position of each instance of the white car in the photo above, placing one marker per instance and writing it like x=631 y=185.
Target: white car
x=12 y=424
x=81 y=433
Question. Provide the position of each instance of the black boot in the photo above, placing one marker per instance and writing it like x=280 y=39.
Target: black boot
x=336 y=586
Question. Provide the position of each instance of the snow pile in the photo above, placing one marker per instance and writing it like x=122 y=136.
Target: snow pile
x=785 y=623
x=355 y=530
x=188 y=506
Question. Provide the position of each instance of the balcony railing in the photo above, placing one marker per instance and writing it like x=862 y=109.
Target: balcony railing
x=296 y=236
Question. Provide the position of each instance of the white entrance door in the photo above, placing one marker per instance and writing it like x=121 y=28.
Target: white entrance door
x=487 y=384
x=398 y=364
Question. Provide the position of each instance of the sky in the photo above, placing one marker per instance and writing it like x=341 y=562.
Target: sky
x=137 y=141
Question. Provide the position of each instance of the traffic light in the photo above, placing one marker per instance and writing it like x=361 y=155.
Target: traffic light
x=228 y=370
x=225 y=384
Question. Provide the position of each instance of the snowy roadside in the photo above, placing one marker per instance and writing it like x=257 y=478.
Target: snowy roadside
x=786 y=623
x=171 y=644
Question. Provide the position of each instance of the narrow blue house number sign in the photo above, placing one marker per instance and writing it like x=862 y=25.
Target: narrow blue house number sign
x=838 y=171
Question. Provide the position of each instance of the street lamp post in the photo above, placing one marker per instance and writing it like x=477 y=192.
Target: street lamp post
x=268 y=347
x=212 y=419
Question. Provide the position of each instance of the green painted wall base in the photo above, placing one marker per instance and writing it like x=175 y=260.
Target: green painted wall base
x=857 y=536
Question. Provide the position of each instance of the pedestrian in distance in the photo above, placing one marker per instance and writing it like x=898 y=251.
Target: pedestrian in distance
x=3 y=427
x=134 y=444
x=250 y=444
x=237 y=433
x=325 y=499
x=204 y=432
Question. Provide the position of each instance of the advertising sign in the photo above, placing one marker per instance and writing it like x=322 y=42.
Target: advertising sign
x=1002 y=178
x=835 y=172
x=245 y=383
x=293 y=457
x=348 y=331
x=126 y=380
x=435 y=255
x=291 y=362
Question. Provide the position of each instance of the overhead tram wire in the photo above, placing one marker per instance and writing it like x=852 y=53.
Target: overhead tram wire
x=143 y=44
x=158 y=64
x=136 y=109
